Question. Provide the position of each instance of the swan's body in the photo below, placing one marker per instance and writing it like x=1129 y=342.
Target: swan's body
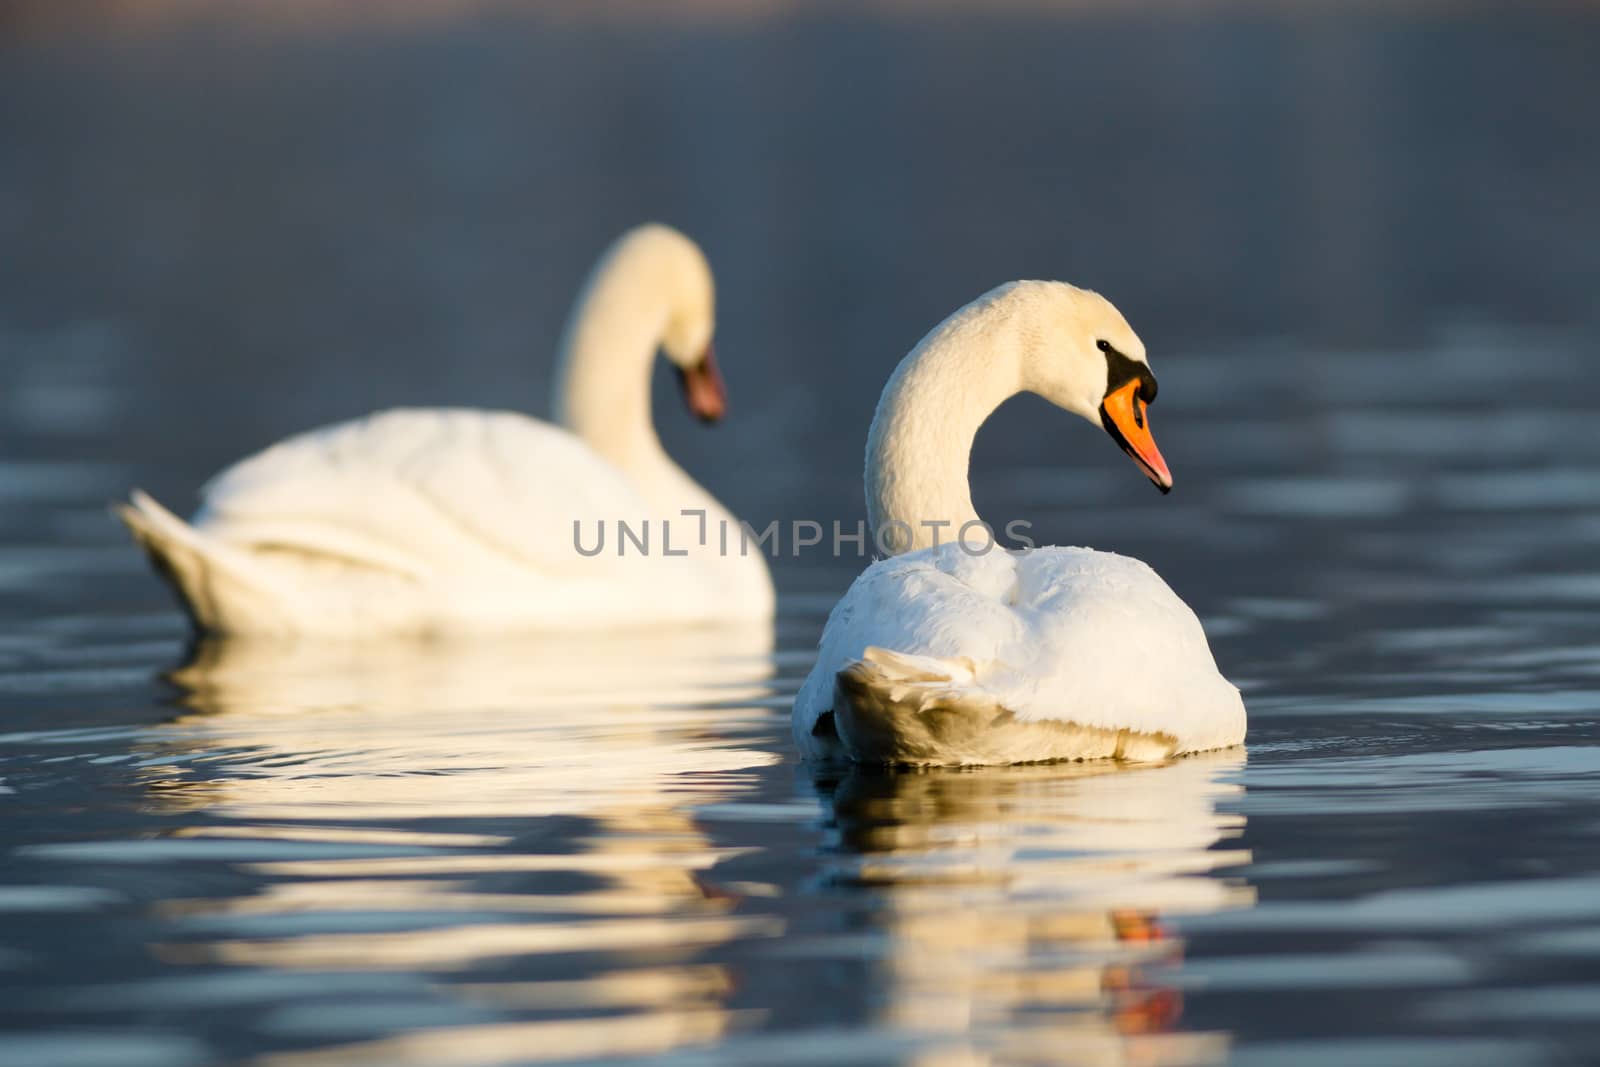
x=965 y=653
x=442 y=521
x=942 y=656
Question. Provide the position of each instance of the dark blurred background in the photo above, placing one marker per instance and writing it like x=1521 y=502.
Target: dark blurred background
x=222 y=223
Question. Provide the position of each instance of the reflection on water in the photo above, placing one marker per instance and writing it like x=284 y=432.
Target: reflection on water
x=1020 y=910
x=418 y=730
x=611 y=743
x=425 y=854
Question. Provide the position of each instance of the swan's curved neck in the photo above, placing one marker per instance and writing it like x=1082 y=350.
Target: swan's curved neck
x=602 y=385
x=921 y=438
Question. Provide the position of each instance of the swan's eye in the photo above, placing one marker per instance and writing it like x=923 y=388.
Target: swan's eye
x=1120 y=370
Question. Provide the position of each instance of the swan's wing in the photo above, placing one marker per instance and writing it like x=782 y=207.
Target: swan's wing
x=931 y=603
x=1107 y=643
x=425 y=492
x=1067 y=634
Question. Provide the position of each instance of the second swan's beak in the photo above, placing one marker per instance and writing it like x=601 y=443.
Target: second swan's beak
x=1126 y=419
x=703 y=390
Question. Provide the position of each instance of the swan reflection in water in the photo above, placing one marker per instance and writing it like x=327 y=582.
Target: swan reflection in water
x=520 y=852
x=400 y=729
x=1024 y=911
x=508 y=827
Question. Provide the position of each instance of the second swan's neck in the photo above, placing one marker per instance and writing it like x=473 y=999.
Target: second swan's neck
x=602 y=384
x=921 y=438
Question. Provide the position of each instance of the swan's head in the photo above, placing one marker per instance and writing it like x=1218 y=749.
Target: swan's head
x=685 y=280
x=1079 y=353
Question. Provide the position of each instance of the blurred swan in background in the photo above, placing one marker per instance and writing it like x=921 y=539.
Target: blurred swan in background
x=452 y=520
x=963 y=653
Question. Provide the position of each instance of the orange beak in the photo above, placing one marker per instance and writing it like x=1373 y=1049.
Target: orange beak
x=1127 y=420
x=703 y=390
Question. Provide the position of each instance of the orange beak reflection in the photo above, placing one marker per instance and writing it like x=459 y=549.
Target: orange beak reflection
x=1127 y=420
x=703 y=390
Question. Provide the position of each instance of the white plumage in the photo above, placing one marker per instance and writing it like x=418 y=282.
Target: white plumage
x=440 y=521
x=970 y=654
x=1055 y=653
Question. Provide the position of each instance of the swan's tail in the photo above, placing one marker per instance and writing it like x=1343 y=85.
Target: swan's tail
x=219 y=585
x=892 y=707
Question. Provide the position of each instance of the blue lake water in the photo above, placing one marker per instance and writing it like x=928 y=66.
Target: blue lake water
x=1375 y=335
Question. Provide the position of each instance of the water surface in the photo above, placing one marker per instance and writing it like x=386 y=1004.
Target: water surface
x=1375 y=339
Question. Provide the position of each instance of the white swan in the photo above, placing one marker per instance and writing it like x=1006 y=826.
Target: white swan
x=949 y=654
x=440 y=521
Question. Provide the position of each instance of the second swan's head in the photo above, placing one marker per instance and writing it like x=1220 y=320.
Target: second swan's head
x=1079 y=353
x=691 y=321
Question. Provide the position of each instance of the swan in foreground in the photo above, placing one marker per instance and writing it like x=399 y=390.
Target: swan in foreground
x=961 y=652
x=438 y=521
